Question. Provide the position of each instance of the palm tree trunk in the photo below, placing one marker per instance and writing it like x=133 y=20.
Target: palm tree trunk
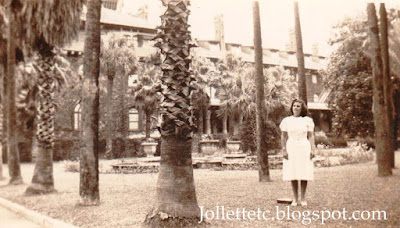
x=262 y=150
x=176 y=204
x=1 y=138
x=302 y=83
x=42 y=180
x=148 y=124
x=208 y=122
x=201 y=123
x=4 y=104
x=89 y=156
x=387 y=82
x=380 y=117
x=13 y=154
x=110 y=85
x=176 y=194
x=225 y=124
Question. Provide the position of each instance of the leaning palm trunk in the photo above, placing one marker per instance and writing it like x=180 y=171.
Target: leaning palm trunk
x=12 y=148
x=176 y=202
x=42 y=180
x=89 y=156
x=382 y=139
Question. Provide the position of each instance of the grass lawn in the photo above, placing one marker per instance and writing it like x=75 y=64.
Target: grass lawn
x=126 y=198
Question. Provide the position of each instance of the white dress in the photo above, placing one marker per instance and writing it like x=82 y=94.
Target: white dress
x=299 y=166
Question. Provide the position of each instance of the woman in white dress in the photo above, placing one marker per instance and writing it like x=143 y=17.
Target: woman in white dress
x=298 y=146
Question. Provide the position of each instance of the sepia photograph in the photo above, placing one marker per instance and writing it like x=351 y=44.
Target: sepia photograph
x=199 y=113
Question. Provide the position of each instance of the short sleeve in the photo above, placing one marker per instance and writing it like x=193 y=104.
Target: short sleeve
x=283 y=124
x=310 y=124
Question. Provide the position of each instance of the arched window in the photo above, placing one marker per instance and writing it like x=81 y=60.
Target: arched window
x=77 y=117
x=133 y=119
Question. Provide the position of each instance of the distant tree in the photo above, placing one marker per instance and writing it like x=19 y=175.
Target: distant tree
x=145 y=92
x=349 y=74
x=116 y=57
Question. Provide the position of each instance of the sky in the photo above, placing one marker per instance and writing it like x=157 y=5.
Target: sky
x=277 y=17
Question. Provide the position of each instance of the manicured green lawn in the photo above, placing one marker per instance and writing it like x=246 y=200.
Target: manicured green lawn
x=126 y=198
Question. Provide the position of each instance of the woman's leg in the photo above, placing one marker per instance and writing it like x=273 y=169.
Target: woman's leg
x=295 y=188
x=303 y=192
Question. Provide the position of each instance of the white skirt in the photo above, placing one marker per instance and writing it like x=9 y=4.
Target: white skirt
x=299 y=166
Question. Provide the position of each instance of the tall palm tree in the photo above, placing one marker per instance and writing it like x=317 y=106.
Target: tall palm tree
x=41 y=19
x=380 y=117
x=116 y=57
x=145 y=92
x=3 y=62
x=14 y=9
x=262 y=150
x=176 y=202
x=202 y=69
x=302 y=81
x=89 y=156
x=387 y=81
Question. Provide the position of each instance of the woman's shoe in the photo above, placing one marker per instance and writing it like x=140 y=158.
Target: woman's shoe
x=294 y=204
x=304 y=203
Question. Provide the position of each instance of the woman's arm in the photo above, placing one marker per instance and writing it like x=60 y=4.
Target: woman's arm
x=311 y=138
x=284 y=137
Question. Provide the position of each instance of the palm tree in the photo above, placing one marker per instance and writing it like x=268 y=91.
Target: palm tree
x=145 y=92
x=203 y=70
x=387 y=81
x=380 y=117
x=89 y=156
x=3 y=63
x=300 y=56
x=14 y=9
x=262 y=150
x=116 y=55
x=176 y=202
x=41 y=38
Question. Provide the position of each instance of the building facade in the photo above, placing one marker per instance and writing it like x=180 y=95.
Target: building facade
x=139 y=33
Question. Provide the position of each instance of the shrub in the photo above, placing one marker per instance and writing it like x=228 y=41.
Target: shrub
x=249 y=136
x=71 y=166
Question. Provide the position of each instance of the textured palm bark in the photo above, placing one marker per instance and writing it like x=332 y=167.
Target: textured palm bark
x=380 y=118
x=302 y=83
x=89 y=160
x=12 y=148
x=262 y=150
x=176 y=204
x=42 y=180
x=387 y=82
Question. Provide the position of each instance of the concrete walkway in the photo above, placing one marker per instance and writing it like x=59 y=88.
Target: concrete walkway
x=11 y=219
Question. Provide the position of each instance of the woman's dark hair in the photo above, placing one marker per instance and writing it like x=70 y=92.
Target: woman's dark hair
x=304 y=110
